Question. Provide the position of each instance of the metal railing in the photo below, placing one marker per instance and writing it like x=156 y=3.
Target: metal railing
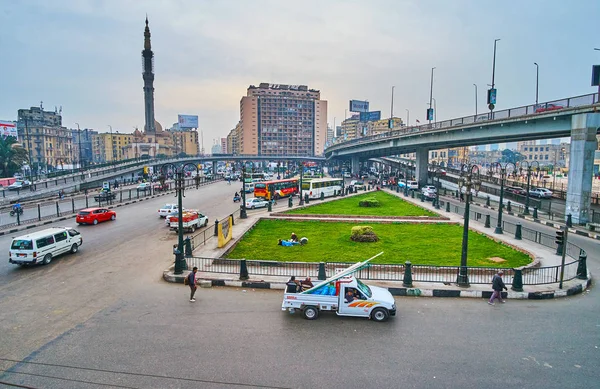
x=542 y=108
x=46 y=210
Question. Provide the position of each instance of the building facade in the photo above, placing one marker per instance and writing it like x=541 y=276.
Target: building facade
x=279 y=119
x=548 y=154
x=47 y=142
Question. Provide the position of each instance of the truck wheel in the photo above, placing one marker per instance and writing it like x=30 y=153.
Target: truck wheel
x=206 y=223
x=311 y=313
x=74 y=248
x=47 y=259
x=193 y=228
x=380 y=314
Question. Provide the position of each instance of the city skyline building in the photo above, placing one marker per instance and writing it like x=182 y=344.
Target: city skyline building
x=278 y=119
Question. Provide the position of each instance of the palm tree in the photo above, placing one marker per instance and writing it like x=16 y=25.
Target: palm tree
x=12 y=156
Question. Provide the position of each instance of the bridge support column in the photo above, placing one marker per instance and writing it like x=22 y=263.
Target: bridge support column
x=581 y=165
x=421 y=166
x=355 y=167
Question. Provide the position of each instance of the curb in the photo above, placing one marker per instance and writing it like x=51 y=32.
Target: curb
x=402 y=291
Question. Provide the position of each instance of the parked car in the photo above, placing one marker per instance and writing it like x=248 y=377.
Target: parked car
x=413 y=185
x=20 y=184
x=359 y=185
x=429 y=192
x=167 y=210
x=347 y=175
x=95 y=215
x=515 y=190
x=541 y=193
x=160 y=187
x=256 y=203
x=144 y=186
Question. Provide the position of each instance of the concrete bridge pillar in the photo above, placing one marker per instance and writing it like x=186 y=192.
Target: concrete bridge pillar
x=581 y=166
x=422 y=155
x=355 y=167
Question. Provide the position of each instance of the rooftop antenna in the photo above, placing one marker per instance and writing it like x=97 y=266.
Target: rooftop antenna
x=42 y=105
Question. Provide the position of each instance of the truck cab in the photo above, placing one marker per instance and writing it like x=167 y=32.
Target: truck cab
x=345 y=295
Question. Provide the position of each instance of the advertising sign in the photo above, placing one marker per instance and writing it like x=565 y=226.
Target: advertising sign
x=370 y=116
x=359 y=106
x=492 y=96
x=8 y=129
x=430 y=114
x=596 y=75
x=187 y=121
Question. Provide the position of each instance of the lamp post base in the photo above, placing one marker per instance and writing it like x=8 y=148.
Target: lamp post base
x=243 y=214
x=463 y=279
x=498 y=230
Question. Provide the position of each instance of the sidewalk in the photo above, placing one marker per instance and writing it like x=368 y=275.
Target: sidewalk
x=543 y=255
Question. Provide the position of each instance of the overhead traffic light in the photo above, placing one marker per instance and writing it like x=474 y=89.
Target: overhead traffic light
x=560 y=238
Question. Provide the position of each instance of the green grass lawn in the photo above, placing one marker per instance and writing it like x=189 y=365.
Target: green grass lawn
x=423 y=244
x=390 y=206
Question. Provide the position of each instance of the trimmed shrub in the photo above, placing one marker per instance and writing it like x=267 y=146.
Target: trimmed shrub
x=369 y=202
x=363 y=234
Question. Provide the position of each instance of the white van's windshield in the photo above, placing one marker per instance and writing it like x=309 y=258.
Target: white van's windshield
x=19 y=244
x=363 y=288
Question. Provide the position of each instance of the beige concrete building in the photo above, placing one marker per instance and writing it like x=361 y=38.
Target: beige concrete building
x=383 y=125
x=279 y=119
x=351 y=129
x=41 y=133
x=548 y=154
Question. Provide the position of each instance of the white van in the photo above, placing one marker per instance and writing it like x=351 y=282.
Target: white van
x=42 y=246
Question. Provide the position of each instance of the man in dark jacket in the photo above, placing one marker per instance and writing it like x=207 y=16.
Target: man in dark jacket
x=192 y=284
x=497 y=286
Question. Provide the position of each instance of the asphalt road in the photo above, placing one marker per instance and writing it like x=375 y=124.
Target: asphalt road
x=107 y=308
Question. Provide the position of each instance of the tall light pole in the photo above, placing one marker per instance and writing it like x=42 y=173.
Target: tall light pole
x=429 y=113
x=529 y=166
x=243 y=214
x=434 y=110
x=112 y=154
x=537 y=82
x=503 y=175
x=79 y=133
x=475 y=85
x=469 y=177
x=492 y=92
x=392 y=110
x=407 y=117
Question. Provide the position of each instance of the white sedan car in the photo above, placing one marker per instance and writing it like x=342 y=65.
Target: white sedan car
x=256 y=203
x=167 y=209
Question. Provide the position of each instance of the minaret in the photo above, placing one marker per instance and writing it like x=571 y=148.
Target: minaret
x=148 y=76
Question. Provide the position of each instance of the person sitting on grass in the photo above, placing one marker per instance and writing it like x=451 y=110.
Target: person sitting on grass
x=287 y=243
x=294 y=237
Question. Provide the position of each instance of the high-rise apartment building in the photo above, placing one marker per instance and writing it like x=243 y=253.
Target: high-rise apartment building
x=44 y=137
x=279 y=119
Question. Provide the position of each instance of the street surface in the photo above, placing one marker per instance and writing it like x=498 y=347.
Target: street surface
x=107 y=308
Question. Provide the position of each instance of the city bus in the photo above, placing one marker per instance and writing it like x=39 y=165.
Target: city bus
x=328 y=186
x=276 y=189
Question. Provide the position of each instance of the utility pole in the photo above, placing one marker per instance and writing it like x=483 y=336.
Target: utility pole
x=79 y=136
x=537 y=82
x=492 y=91
x=429 y=113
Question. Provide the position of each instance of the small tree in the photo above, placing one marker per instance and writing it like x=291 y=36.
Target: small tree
x=369 y=202
x=363 y=234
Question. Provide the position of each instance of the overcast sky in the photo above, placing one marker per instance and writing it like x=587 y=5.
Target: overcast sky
x=85 y=55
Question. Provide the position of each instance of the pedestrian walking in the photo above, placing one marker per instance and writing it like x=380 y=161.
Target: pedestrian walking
x=497 y=286
x=192 y=283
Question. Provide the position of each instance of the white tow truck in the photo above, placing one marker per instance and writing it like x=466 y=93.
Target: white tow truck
x=332 y=295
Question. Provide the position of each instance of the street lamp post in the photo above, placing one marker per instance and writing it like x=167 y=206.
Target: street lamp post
x=243 y=214
x=407 y=117
x=430 y=96
x=112 y=155
x=180 y=263
x=434 y=110
x=537 y=82
x=406 y=180
x=529 y=167
x=475 y=85
x=438 y=173
x=469 y=178
x=503 y=174
x=492 y=99
x=301 y=202
x=79 y=133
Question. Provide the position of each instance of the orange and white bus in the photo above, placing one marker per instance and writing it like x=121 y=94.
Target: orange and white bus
x=276 y=189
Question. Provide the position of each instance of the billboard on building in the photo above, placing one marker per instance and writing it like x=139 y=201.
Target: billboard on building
x=8 y=128
x=359 y=106
x=370 y=116
x=187 y=121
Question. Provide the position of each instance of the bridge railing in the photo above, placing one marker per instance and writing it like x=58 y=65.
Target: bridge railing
x=534 y=109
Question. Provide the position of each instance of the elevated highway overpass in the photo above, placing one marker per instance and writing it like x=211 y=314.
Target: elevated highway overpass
x=576 y=117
